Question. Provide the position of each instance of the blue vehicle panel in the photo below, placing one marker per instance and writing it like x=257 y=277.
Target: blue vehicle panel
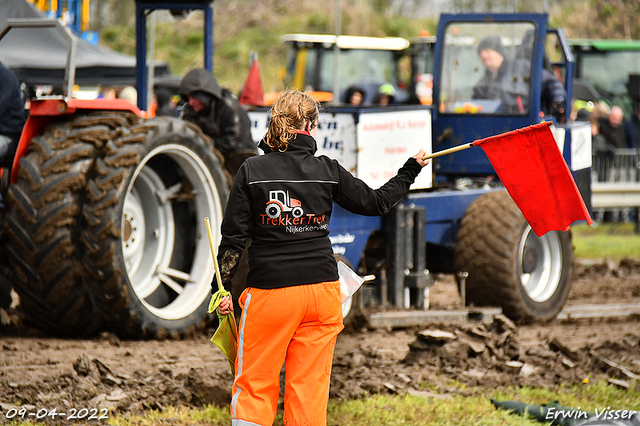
x=349 y=232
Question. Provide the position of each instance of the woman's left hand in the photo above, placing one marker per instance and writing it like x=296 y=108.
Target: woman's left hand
x=419 y=159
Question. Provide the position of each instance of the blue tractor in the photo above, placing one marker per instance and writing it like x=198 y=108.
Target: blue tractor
x=458 y=219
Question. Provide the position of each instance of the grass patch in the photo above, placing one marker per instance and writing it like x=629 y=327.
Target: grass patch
x=607 y=240
x=473 y=408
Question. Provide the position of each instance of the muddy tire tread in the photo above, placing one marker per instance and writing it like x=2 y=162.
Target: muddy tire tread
x=44 y=250
x=486 y=248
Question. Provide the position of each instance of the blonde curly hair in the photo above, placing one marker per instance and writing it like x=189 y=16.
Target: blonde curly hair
x=288 y=114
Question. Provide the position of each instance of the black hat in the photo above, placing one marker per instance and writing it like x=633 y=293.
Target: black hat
x=492 y=42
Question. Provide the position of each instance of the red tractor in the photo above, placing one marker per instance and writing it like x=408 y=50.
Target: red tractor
x=103 y=226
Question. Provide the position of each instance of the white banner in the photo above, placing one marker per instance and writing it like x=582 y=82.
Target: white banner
x=387 y=139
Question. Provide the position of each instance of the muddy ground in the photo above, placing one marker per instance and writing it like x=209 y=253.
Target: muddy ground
x=132 y=376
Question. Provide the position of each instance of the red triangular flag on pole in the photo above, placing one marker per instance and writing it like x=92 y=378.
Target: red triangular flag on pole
x=530 y=166
x=252 y=93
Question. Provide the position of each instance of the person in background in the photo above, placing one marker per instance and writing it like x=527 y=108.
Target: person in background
x=355 y=96
x=386 y=95
x=508 y=81
x=291 y=310
x=611 y=128
x=107 y=93
x=602 y=149
x=12 y=115
x=220 y=116
x=129 y=93
x=165 y=102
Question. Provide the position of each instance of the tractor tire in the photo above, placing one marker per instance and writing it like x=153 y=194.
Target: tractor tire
x=5 y=284
x=43 y=223
x=147 y=249
x=508 y=265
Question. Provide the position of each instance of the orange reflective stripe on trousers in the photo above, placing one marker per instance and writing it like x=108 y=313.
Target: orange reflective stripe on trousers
x=296 y=326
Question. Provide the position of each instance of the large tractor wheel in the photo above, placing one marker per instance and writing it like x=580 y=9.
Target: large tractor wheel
x=43 y=222
x=508 y=265
x=147 y=246
x=5 y=284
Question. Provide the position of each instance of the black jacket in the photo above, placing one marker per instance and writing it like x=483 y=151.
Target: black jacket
x=511 y=85
x=283 y=202
x=225 y=121
x=12 y=115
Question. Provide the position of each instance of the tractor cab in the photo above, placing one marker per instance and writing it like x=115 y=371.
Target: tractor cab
x=595 y=77
x=471 y=105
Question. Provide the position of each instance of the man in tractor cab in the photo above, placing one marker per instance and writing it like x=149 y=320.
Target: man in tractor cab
x=508 y=81
x=219 y=114
x=12 y=115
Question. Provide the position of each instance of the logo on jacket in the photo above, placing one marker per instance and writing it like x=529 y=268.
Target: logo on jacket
x=279 y=202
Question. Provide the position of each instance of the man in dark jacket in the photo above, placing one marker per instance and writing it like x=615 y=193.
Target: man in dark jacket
x=509 y=82
x=612 y=129
x=12 y=115
x=219 y=114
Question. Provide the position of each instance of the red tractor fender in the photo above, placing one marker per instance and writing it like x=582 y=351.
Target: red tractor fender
x=46 y=111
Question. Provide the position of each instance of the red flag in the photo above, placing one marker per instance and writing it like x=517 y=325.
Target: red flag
x=252 y=93
x=531 y=167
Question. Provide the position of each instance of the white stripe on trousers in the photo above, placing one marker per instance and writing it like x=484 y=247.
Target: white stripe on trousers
x=234 y=400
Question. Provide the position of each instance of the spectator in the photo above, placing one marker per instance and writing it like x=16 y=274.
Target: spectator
x=165 y=102
x=508 y=82
x=107 y=93
x=12 y=116
x=355 y=95
x=612 y=129
x=129 y=93
x=600 y=147
x=386 y=95
x=219 y=115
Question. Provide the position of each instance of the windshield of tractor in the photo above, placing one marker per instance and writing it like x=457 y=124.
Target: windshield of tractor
x=314 y=68
x=486 y=68
x=608 y=72
x=357 y=66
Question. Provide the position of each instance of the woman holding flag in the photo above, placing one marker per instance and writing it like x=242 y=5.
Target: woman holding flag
x=292 y=306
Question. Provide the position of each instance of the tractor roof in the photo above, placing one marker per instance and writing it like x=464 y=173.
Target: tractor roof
x=604 y=45
x=348 y=42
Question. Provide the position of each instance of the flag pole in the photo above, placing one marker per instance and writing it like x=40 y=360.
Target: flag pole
x=213 y=254
x=448 y=151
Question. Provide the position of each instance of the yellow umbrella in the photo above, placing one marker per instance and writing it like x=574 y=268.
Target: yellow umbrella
x=226 y=336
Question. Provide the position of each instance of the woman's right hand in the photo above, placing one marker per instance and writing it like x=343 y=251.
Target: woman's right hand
x=226 y=305
x=419 y=159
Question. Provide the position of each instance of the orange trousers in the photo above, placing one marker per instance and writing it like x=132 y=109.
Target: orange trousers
x=296 y=326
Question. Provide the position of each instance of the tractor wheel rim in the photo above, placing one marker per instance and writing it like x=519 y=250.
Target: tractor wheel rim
x=148 y=267
x=540 y=264
x=149 y=229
